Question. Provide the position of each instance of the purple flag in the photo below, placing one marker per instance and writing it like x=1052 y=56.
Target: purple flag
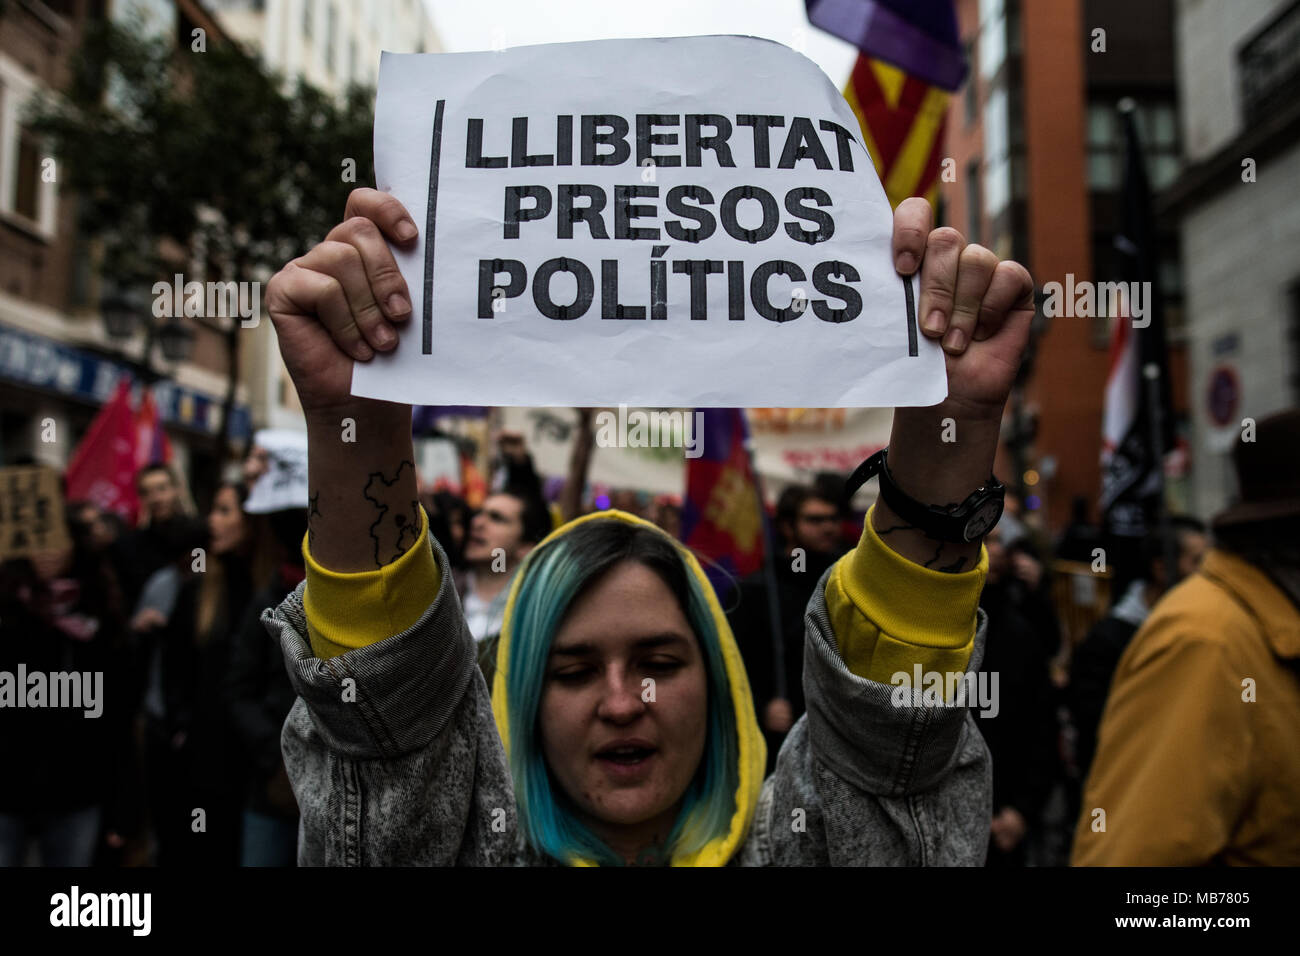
x=917 y=36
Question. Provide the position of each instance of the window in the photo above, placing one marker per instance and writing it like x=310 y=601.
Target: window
x=27 y=188
x=974 y=204
x=1157 y=128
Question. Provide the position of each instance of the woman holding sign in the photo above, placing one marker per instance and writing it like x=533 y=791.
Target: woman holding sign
x=620 y=728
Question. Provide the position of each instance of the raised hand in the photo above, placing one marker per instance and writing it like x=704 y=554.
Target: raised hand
x=343 y=300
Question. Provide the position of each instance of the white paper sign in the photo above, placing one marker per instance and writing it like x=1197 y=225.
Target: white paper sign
x=673 y=222
x=284 y=484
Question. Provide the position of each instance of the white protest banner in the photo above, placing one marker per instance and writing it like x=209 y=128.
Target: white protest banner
x=284 y=484
x=672 y=222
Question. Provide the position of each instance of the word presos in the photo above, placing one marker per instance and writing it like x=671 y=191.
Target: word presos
x=74 y=908
x=73 y=689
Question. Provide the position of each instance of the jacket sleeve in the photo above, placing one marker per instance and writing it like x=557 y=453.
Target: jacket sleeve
x=390 y=747
x=1172 y=770
x=873 y=774
x=246 y=689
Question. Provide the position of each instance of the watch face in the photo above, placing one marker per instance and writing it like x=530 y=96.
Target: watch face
x=983 y=519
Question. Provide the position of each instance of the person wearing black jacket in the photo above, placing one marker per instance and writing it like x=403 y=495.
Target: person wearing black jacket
x=259 y=697
x=194 y=780
x=809 y=526
x=1022 y=733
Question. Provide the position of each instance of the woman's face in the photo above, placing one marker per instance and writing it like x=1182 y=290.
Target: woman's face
x=623 y=713
x=226 y=522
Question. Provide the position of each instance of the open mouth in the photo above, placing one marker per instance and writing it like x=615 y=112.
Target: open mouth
x=627 y=756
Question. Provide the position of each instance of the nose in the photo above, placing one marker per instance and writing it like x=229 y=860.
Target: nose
x=620 y=700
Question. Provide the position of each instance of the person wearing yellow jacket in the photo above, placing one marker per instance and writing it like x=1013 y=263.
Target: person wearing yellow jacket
x=620 y=728
x=1198 y=752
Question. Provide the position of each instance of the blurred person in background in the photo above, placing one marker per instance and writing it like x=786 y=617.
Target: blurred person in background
x=809 y=528
x=193 y=760
x=259 y=695
x=501 y=534
x=1095 y=659
x=1022 y=733
x=1198 y=753
x=162 y=524
x=450 y=515
x=61 y=612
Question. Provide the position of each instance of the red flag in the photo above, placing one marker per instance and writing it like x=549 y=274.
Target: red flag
x=103 y=469
x=152 y=446
x=720 y=516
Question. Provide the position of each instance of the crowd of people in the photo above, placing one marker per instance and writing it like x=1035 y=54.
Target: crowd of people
x=184 y=767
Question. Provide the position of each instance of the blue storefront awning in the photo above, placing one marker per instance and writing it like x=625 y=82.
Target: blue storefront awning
x=38 y=362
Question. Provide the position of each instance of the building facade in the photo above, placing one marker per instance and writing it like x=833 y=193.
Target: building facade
x=57 y=362
x=1239 y=216
x=1037 y=150
x=331 y=44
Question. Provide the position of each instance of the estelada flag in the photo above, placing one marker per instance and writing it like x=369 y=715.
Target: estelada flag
x=910 y=58
x=721 y=519
x=152 y=446
x=102 y=469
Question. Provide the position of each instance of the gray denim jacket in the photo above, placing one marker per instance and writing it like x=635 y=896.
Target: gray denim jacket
x=395 y=759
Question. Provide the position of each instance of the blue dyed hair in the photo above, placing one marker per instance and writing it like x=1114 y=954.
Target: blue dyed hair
x=553 y=577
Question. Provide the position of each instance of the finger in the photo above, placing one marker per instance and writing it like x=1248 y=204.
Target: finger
x=1009 y=297
x=342 y=261
x=310 y=293
x=384 y=210
x=975 y=269
x=939 y=279
x=386 y=283
x=913 y=220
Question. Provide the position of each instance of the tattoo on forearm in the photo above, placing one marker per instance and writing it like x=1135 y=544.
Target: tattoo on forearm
x=393 y=534
x=313 y=511
x=954 y=568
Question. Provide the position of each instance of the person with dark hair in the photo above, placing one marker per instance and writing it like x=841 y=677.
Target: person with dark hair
x=1020 y=725
x=61 y=613
x=193 y=763
x=1095 y=659
x=1198 y=753
x=504 y=530
x=621 y=727
x=259 y=695
x=162 y=526
x=808 y=525
x=449 y=518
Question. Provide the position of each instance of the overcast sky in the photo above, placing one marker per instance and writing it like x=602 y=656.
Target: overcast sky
x=466 y=25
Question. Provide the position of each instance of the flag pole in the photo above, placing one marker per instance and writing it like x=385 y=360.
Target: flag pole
x=1151 y=372
x=769 y=573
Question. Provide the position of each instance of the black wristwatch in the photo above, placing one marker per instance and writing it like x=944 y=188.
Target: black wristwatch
x=968 y=521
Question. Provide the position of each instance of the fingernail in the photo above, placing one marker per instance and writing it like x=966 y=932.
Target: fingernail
x=955 y=340
x=364 y=352
x=934 y=321
x=405 y=230
x=384 y=337
x=397 y=304
x=906 y=263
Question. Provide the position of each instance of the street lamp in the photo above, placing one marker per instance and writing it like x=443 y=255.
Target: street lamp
x=123 y=312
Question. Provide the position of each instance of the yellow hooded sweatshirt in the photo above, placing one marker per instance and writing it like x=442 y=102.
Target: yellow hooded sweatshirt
x=888 y=614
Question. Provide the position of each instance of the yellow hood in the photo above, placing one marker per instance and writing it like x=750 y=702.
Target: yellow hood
x=752 y=748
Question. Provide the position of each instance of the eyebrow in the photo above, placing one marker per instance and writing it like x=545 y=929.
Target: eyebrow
x=586 y=648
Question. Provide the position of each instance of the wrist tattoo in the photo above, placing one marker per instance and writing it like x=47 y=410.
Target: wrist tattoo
x=954 y=568
x=313 y=511
x=393 y=534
